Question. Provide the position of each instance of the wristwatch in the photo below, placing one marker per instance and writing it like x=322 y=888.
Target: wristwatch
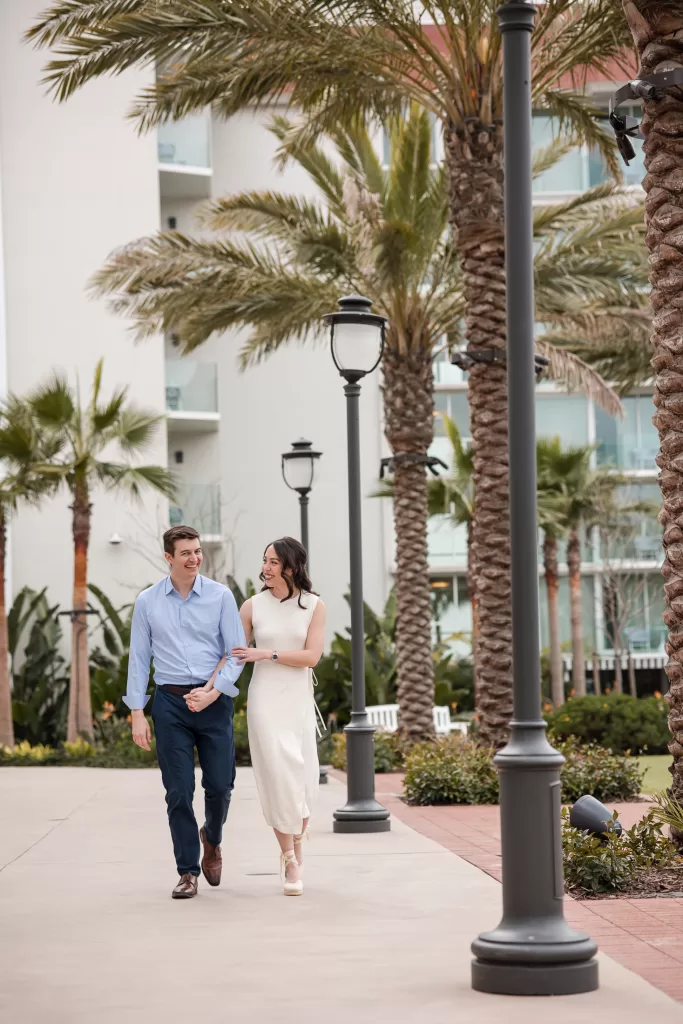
x=274 y=656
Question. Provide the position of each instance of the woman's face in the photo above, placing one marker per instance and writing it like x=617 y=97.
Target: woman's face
x=272 y=567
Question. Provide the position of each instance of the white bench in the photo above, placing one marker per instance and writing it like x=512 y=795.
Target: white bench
x=385 y=718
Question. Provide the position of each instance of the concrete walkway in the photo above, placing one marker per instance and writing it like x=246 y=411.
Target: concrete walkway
x=89 y=934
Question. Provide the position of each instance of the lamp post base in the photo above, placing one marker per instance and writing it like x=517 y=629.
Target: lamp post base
x=511 y=979
x=361 y=812
x=361 y=824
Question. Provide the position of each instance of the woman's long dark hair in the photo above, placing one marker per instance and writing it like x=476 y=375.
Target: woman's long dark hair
x=293 y=557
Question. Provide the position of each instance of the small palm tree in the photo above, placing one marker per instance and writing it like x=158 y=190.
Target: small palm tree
x=80 y=435
x=557 y=468
x=22 y=452
x=341 y=62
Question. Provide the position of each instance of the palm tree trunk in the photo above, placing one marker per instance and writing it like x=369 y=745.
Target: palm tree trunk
x=613 y=612
x=474 y=157
x=633 y=690
x=657 y=36
x=408 y=389
x=80 y=705
x=596 y=674
x=474 y=602
x=578 y=655
x=6 y=720
x=552 y=586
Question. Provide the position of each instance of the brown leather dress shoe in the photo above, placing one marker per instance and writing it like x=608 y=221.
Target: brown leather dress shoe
x=212 y=861
x=186 y=887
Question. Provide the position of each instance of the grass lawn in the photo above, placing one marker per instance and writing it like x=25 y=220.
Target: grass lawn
x=657 y=775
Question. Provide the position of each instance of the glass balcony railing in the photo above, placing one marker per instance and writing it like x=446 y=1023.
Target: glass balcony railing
x=198 y=505
x=625 y=455
x=191 y=386
x=186 y=143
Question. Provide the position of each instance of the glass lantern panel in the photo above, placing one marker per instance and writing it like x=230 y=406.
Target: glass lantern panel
x=299 y=471
x=357 y=346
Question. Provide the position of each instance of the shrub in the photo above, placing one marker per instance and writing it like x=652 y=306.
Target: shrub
x=79 y=750
x=451 y=771
x=24 y=754
x=615 y=720
x=612 y=862
x=456 y=770
x=389 y=751
x=241 y=734
x=593 y=769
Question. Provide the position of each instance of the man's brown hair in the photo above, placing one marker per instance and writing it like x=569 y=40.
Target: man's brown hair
x=178 y=533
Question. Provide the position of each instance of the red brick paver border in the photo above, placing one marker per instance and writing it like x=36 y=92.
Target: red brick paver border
x=644 y=935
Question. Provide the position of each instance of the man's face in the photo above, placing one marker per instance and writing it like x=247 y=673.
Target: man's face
x=186 y=560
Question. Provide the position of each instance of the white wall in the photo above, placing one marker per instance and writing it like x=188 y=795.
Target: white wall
x=77 y=182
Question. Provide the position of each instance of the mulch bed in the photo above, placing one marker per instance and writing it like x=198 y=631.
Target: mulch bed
x=652 y=884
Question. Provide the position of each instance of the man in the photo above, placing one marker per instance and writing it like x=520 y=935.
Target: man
x=187 y=624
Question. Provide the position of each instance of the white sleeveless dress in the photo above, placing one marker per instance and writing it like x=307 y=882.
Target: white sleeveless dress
x=281 y=714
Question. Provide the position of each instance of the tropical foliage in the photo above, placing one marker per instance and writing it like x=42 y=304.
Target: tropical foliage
x=80 y=435
x=363 y=59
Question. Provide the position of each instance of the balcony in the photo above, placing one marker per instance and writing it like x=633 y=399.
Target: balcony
x=198 y=505
x=630 y=444
x=191 y=396
x=184 y=151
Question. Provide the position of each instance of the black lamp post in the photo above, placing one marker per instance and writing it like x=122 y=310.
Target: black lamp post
x=357 y=342
x=532 y=951
x=298 y=471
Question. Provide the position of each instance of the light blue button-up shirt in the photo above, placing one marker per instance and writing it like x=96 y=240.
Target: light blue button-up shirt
x=186 y=639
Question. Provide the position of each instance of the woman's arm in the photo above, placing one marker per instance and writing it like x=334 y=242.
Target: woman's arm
x=308 y=658
x=247 y=625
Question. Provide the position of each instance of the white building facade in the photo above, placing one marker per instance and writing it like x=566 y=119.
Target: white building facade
x=76 y=181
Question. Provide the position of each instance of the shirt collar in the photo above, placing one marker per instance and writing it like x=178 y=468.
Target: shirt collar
x=196 y=587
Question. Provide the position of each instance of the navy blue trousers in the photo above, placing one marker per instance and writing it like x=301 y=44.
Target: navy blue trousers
x=178 y=731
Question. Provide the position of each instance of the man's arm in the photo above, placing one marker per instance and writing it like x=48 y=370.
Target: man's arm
x=232 y=635
x=138 y=674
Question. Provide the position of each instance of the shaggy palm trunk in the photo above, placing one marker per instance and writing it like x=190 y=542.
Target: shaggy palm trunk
x=408 y=390
x=659 y=40
x=6 y=721
x=552 y=586
x=474 y=156
x=472 y=592
x=80 y=704
x=578 y=655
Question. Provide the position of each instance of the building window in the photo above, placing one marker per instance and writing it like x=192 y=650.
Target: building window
x=569 y=173
x=563 y=416
x=455 y=405
x=631 y=443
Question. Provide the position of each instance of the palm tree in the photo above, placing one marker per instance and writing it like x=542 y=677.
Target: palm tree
x=81 y=434
x=558 y=471
x=383 y=232
x=342 y=61
x=657 y=26
x=21 y=451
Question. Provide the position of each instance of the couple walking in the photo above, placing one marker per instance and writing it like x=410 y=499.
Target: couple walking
x=190 y=628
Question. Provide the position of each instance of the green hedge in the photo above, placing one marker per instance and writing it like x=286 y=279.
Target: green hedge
x=458 y=771
x=615 y=720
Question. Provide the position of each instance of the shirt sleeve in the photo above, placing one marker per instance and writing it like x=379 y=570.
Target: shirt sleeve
x=139 y=658
x=232 y=634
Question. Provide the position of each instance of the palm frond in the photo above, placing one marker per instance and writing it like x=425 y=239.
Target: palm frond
x=569 y=368
x=136 y=429
x=53 y=403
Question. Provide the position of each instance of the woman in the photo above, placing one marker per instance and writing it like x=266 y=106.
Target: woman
x=287 y=621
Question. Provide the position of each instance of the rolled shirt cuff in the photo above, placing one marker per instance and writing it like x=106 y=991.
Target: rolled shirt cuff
x=225 y=686
x=136 y=703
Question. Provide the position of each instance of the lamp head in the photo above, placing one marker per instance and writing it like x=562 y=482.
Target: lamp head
x=356 y=337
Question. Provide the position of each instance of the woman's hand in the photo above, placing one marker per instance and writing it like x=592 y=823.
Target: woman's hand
x=247 y=654
x=201 y=698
